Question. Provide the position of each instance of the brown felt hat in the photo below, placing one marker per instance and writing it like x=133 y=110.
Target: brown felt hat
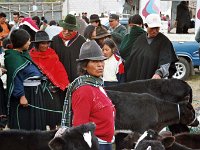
x=101 y=32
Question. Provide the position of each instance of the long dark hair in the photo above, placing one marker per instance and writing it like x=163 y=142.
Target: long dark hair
x=80 y=67
x=111 y=44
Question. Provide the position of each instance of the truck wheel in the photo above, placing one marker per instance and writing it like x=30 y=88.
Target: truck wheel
x=183 y=69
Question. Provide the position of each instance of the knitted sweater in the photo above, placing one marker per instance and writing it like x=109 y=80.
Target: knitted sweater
x=91 y=104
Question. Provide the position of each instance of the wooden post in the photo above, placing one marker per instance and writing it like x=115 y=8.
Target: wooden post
x=52 y=14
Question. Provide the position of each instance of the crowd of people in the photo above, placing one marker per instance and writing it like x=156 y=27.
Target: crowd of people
x=55 y=75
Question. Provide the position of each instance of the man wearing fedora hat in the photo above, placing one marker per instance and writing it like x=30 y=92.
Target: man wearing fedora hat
x=87 y=97
x=67 y=45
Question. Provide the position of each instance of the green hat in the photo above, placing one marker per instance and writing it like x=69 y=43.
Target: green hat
x=69 y=23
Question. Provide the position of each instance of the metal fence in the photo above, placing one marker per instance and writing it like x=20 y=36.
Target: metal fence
x=50 y=10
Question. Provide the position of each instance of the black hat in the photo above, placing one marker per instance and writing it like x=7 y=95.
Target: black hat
x=41 y=36
x=92 y=51
x=113 y=17
x=94 y=18
x=69 y=23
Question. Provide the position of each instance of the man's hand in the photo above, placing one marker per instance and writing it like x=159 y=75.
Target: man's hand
x=156 y=76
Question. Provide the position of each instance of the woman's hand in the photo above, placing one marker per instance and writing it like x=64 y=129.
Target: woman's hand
x=23 y=101
x=60 y=131
x=156 y=76
x=2 y=71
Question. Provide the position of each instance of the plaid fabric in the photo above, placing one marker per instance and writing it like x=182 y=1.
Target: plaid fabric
x=78 y=82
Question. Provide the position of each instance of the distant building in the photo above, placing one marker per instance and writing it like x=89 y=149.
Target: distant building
x=96 y=6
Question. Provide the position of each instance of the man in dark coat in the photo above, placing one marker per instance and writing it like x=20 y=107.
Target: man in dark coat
x=67 y=45
x=182 y=17
x=152 y=54
x=136 y=24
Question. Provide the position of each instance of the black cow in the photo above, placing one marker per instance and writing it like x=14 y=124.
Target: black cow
x=25 y=140
x=125 y=140
x=140 y=112
x=173 y=90
x=150 y=145
x=39 y=140
x=73 y=139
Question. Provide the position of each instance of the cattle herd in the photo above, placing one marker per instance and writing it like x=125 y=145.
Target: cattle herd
x=145 y=106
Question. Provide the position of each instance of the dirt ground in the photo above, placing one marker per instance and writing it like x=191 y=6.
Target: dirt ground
x=194 y=82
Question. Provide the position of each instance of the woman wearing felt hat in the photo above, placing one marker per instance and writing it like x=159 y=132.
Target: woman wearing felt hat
x=67 y=45
x=57 y=79
x=88 y=99
x=23 y=85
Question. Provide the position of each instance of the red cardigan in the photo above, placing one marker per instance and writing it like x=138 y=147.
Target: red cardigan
x=91 y=104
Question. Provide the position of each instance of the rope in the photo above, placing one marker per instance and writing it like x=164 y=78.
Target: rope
x=18 y=117
x=56 y=111
x=44 y=109
x=179 y=112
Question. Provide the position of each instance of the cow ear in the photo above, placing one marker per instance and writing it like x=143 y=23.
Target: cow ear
x=168 y=141
x=88 y=138
x=57 y=143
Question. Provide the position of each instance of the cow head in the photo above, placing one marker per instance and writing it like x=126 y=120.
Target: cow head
x=76 y=138
x=187 y=113
x=150 y=145
x=151 y=140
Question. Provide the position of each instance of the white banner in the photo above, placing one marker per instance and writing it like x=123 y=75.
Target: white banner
x=197 y=21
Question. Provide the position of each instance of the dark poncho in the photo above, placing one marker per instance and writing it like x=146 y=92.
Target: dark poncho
x=129 y=39
x=14 y=62
x=146 y=58
x=68 y=54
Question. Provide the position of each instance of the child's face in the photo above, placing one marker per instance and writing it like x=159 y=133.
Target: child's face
x=107 y=51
